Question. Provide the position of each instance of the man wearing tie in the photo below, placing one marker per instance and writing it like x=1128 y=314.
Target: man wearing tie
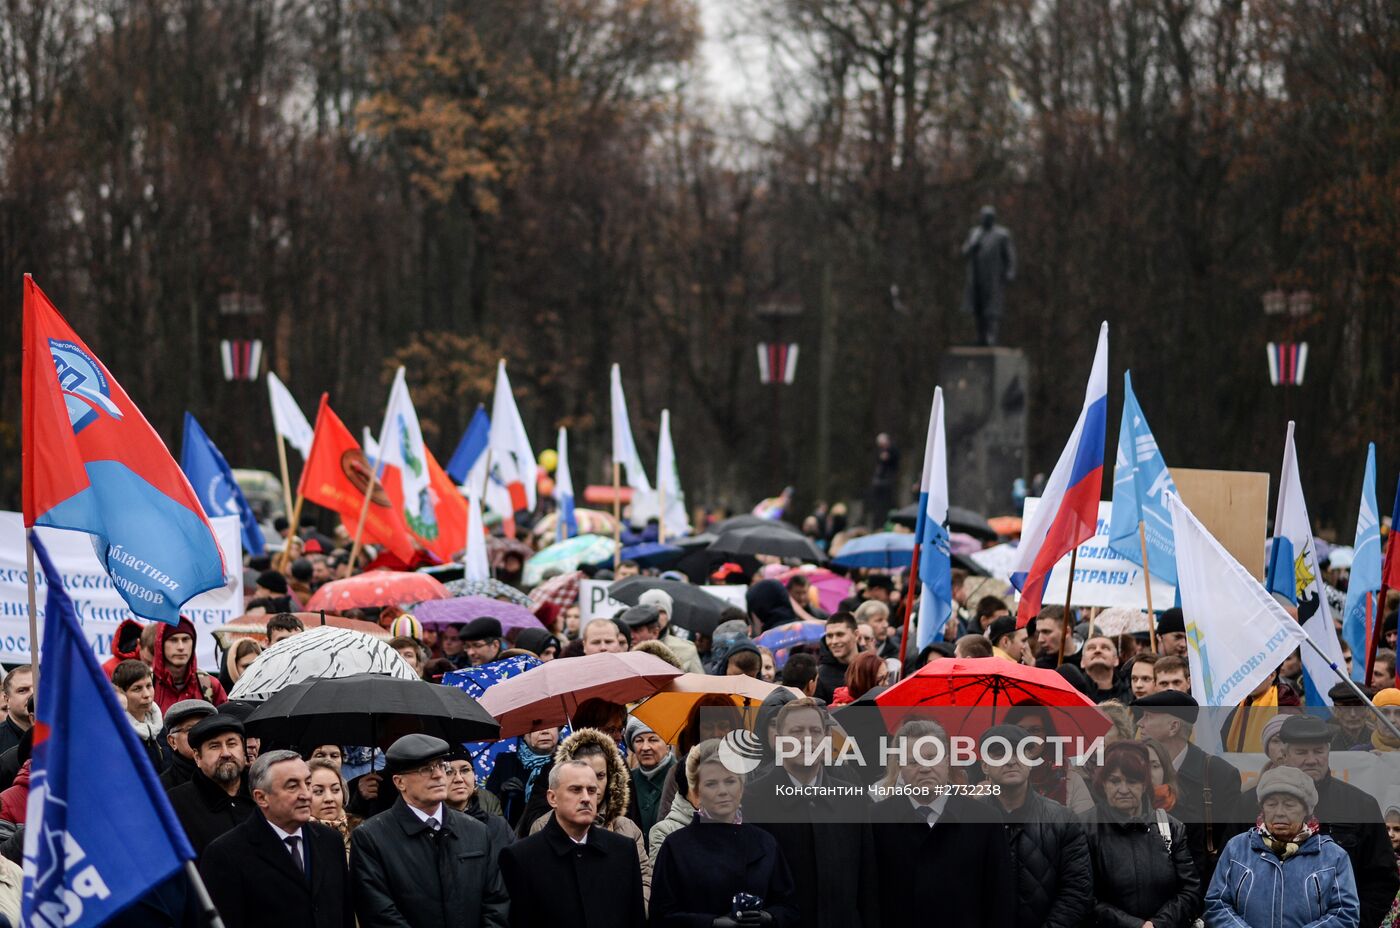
x=423 y=864
x=279 y=868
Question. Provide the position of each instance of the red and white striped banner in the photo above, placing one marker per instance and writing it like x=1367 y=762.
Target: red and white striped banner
x=242 y=358
x=1287 y=363
x=777 y=362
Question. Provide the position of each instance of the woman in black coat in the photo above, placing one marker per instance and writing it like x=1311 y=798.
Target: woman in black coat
x=1143 y=872
x=716 y=867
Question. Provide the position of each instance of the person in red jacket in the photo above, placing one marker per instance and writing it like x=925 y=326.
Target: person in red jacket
x=15 y=800
x=175 y=670
x=126 y=645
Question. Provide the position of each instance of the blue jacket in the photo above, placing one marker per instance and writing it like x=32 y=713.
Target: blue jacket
x=1252 y=888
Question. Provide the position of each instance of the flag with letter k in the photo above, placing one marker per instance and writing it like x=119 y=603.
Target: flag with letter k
x=99 y=831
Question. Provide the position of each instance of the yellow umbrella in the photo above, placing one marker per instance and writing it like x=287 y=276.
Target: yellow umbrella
x=671 y=708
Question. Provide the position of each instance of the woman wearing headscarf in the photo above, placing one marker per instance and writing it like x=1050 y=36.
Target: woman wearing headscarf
x=717 y=870
x=1143 y=871
x=1282 y=872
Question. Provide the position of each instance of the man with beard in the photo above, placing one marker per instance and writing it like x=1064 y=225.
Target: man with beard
x=279 y=869
x=216 y=799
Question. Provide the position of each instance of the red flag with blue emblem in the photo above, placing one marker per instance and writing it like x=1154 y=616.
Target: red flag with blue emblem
x=92 y=463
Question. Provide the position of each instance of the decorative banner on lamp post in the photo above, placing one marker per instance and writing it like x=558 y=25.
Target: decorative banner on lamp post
x=242 y=358
x=1287 y=363
x=777 y=362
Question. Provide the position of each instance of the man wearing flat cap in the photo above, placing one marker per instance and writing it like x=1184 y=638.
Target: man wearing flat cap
x=423 y=864
x=1351 y=817
x=481 y=639
x=1208 y=787
x=216 y=798
x=182 y=717
x=668 y=633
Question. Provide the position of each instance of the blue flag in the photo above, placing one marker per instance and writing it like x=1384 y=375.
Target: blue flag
x=470 y=448
x=1140 y=476
x=1365 y=580
x=212 y=480
x=99 y=834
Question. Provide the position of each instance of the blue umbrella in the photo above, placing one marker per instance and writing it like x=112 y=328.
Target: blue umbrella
x=881 y=550
x=651 y=554
x=784 y=638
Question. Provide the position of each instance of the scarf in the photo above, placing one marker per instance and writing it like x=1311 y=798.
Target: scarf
x=149 y=727
x=533 y=762
x=1286 y=849
x=701 y=814
x=1163 y=797
x=1383 y=742
x=1247 y=727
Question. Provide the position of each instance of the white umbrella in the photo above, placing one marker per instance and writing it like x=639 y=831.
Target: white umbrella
x=321 y=653
x=1122 y=621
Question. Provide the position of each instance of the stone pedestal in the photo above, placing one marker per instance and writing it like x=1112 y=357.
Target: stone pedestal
x=985 y=393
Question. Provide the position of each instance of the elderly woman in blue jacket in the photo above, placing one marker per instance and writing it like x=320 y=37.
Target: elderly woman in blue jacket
x=1282 y=873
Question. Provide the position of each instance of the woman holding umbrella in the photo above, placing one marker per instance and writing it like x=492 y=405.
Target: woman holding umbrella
x=717 y=867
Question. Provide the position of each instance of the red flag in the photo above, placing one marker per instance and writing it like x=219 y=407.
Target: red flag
x=336 y=476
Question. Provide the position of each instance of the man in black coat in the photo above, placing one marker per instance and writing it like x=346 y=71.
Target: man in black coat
x=422 y=864
x=838 y=648
x=1053 y=874
x=182 y=716
x=570 y=873
x=819 y=821
x=1351 y=817
x=279 y=869
x=1208 y=787
x=216 y=799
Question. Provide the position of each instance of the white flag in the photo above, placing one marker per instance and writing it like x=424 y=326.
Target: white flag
x=474 y=559
x=287 y=417
x=370 y=445
x=1236 y=632
x=624 y=450
x=401 y=446
x=511 y=484
x=668 y=481
x=1294 y=572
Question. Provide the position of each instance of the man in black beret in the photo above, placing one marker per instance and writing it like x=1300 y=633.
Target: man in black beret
x=481 y=639
x=1171 y=633
x=216 y=798
x=1349 y=815
x=1208 y=787
x=423 y=864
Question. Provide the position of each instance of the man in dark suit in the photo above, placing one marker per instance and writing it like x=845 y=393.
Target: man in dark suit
x=423 y=864
x=571 y=873
x=279 y=869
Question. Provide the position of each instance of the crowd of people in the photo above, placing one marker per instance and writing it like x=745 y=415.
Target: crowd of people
x=605 y=823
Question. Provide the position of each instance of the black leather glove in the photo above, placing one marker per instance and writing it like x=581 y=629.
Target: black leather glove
x=513 y=785
x=724 y=921
x=755 y=918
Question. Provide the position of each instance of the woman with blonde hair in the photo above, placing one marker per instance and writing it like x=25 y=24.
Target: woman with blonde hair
x=328 y=795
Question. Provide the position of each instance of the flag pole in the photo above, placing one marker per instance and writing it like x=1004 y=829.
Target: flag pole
x=908 y=606
x=286 y=476
x=1147 y=585
x=33 y=612
x=293 y=526
x=1069 y=591
x=206 y=904
x=617 y=515
x=1356 y=690
x=364 y=508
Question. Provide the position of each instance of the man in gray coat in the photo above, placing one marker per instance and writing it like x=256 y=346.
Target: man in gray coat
x=422 y=864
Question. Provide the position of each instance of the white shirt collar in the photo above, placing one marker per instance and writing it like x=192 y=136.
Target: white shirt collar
x=1180 y=758
x=284 y=835
x=424 y=816
x=933 y=811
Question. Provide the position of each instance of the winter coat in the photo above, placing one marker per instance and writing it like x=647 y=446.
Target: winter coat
x=126 y=645
x=768 y=602
x=10 y=734
x=148 y=730
x=682 y=814
x=405 y=875
x=180 y=772
x=501 y=833
x=704 y=865
x=207 y=812
x=1224 y=783
x=1353 y=820
x=685 y=652
x=196 y=684
x=647 y=790
x=1137 y=877
x=830 y=857
x=11 y=890
x=254 y=881
x=554 y=882
x=1252 y=888
x=14 y=800
x=1050 y=861
x=831 y=674
x=616 y=794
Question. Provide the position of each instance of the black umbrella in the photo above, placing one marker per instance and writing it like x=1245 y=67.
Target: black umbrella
x=369 y=709
x=768 y=539
x=959 y=520
x=695 y=609
x=752 y=521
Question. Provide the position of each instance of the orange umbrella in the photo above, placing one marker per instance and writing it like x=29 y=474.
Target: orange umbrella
x=376 y=588
x=669 y=711
x=1006 y=526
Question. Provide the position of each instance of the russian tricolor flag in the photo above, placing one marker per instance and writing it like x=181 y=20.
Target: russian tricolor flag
x=931 y=532
x=1069 y=509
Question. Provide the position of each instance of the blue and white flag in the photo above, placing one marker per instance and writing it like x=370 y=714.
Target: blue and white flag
x=1295 y=574
x=212 y=480
x=88 y=854
x=1365 y=580
x=566 y=526
x=931 y=532
x=471 y=451
x=1140 y=477
x=1236 y=633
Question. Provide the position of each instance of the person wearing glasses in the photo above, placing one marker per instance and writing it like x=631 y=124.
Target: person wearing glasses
x=423 y=864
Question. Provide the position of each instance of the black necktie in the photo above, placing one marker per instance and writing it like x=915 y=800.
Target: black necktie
x=292 y=842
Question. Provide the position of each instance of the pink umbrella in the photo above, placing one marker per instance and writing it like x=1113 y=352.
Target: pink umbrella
x=376 y=588
x=831 y=588
x=549 y=695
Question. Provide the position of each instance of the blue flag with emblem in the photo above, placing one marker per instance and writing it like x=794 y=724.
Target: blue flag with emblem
x=1140 y=478
x=1365 y=583
x=87 y=855
x=212 y=479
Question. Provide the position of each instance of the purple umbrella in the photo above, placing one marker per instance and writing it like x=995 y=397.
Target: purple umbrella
x=465 y=608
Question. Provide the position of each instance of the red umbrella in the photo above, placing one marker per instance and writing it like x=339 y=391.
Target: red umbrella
x=376 y=588
x=550 y=694
x=976 y=693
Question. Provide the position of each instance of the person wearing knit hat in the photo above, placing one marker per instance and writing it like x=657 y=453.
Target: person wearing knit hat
x=1171 y=633
x=406 y=626
x=1269 y=737
x=1286 y=870
x=654 y=760
x=1388 y=701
